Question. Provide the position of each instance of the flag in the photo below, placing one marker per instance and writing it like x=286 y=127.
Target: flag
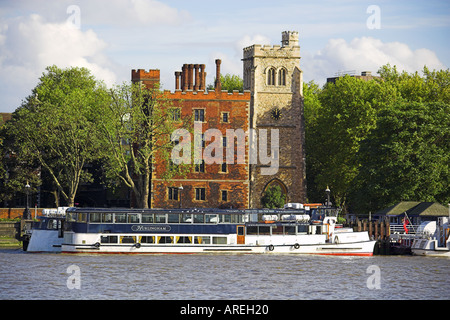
x=405 y=223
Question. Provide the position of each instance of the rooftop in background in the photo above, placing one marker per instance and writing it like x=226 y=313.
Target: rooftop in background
x=5 y=117
x=365 y=75
x=414 y=208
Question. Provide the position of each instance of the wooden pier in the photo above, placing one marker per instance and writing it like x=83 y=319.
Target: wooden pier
x=379 y=231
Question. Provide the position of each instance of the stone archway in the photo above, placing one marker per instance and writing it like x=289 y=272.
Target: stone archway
x=276 y=183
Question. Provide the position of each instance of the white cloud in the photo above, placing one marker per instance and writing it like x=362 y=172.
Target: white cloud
x=365 y=54
x=30 y=44
x=131 y=13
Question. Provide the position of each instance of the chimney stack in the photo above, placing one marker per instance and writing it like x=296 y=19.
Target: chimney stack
x=202 y=77
x=218 y=84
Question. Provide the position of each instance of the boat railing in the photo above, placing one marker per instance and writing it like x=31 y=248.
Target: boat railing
x=399 y=229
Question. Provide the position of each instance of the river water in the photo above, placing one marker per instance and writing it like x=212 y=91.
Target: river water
x=205 y=277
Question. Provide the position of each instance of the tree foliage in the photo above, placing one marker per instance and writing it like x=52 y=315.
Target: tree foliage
x=378 y=142
x=56 y=127
x=273 y=197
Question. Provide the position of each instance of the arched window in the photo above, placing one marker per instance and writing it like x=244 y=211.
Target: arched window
x=271 y=77
x=282 y=77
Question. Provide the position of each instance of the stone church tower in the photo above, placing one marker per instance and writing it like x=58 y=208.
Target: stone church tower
x=274 y=77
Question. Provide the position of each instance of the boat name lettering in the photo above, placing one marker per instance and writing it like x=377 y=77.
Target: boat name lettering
x=150 y=228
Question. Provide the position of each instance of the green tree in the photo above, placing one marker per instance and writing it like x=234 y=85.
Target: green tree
x=136 y=128
x=273 y=198
x=230 y=82
x=57 y=127
x=347 y=114
x=407 y=157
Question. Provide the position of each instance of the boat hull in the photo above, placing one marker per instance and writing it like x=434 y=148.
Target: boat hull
x=45 y=241
x=364 y=248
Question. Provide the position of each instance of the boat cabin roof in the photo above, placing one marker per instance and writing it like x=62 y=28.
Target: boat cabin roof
x=188 y=210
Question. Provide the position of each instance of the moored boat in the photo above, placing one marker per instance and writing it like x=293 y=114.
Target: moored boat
x=432 y=239
x=291 y=231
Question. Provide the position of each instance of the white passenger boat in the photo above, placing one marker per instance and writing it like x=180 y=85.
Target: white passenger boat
x=47 y=232
x=290 y=231
x=433 y=239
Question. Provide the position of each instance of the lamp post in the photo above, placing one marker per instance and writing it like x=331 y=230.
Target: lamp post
x=180 y=192
x=327 y=191
x=27 y=213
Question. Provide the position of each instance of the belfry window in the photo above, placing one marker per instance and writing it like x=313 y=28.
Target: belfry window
x=282 y=77
x=271 y=77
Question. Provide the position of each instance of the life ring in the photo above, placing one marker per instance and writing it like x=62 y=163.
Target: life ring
x=296 y=246
x=270 y=247
x=97 y=244
x=137 y=245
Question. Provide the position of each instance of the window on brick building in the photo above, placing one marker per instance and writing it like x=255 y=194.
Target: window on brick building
x=200 y=167
x=172 y=193
x=176 y=114
x=199 y=115
x=200 y=194
x=224 y=195
x=225 y=116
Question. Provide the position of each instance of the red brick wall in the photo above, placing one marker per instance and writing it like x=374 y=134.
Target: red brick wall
x=13 y=213
x=235 y=180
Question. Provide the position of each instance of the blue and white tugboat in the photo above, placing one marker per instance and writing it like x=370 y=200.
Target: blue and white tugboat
x=159 y=231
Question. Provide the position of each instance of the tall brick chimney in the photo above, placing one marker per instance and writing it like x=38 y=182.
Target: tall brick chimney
x=218 y=84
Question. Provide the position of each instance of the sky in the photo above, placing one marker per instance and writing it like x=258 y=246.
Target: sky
x=111 y=38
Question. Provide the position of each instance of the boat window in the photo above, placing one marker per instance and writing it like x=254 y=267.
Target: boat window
x=160 y=218
x=252 y=230
x=288 y=230
x=127 y=239
x=302 y=229
x=225 y=218
x=165 y=239
x=318 y=230
x=219 y=240
x=81 y=217
x=187 y=218
x=236 y=218
x=147 y=239
x=173 y=218
x=277 y=230
x=108 y=239
x=202 y=239
x=52 y=224
x=184 y=239
x=199 y=218
x=120 y=217
x=147 y=218
x=264 y=230
x=107 y=217
x=95 y=217
x=71 y=217
x=211 y=218
x=133 y=218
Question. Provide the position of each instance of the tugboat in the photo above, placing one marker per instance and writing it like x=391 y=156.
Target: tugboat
x=433 y=239
x=293 y=230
